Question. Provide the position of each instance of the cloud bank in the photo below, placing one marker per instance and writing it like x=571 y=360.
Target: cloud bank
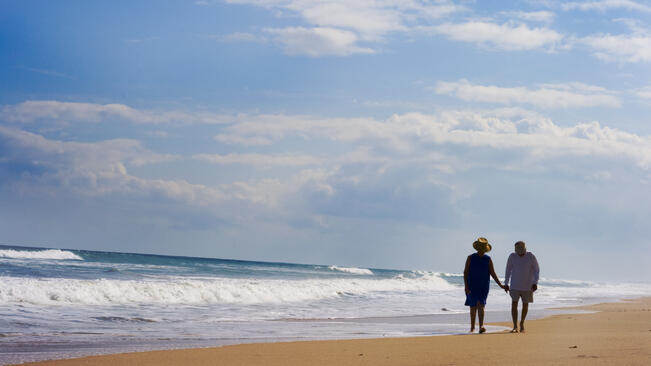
x=33 y=110
x=605 y=5
x=507 y=36
x=336 y=28
x=317 y=41
x=320 y=175
x=550 y=96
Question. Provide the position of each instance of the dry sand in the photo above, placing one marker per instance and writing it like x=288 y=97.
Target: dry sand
x=618 y=334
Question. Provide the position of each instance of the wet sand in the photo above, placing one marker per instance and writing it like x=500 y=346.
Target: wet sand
x=617 y=334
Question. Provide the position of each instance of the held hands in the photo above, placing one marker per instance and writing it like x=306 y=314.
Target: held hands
x=506 y=288
x=534 y=287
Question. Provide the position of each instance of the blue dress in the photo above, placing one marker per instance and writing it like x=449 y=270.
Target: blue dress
x=478 y=279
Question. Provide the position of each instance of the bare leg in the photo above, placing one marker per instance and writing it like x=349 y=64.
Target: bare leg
x=480 y=312
x=473 y=311
x=514 y=315
x=525 y=308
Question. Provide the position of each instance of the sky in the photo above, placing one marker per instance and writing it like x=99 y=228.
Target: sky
x=383 y=134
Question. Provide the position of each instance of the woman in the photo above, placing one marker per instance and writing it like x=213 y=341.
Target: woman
x=476 y=280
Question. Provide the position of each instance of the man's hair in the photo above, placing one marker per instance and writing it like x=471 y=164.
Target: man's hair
x=520 y=243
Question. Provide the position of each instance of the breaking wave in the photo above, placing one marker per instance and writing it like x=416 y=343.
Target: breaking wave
x=204 y=291
x=39 y=254
x=362 y=271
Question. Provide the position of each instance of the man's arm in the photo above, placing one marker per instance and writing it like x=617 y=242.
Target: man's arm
x=509 y=270
x=536 y=272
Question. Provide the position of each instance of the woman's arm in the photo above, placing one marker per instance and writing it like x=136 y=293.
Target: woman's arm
x=492 y=272
x=465 y=275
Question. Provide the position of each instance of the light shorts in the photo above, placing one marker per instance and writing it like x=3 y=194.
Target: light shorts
x=526 y=296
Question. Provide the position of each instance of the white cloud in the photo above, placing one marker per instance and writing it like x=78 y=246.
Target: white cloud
x=644 y=93
x=569 y=95
x=316 y=42
x=98 y=168
x=605 y=5
x=533 y=16
x=335 y=27
x=31 y=111
x=501 y=129
x=158 y=133
x=95 y=169
x=260 y=160
x=297 y=160
x=634 y=47
x=368 y=18
x=239 y=140
x=400 y=160
x=267 y=129
x=46 y=72
x=241 y=37
x=507 y=36
x=117 y=150
x=400 y=134
x=601 y=176
x=406 y=167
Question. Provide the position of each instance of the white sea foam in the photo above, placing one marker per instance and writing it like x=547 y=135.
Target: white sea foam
x=362 y=271
x=559 y=282
x=205 y=291
x=446 y=274
x=39 y=254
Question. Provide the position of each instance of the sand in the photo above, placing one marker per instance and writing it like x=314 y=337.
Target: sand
x=618 y=334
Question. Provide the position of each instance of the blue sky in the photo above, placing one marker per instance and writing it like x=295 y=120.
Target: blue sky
x=368 y=133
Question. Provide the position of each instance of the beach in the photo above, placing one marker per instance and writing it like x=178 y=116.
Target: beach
x=611 y=334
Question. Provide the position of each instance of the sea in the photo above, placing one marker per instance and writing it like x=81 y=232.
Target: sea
x=63 y=303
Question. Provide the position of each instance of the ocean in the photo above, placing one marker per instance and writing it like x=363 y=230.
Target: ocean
x=61 y=303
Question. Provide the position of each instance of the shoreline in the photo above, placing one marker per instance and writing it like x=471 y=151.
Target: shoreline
x=614 y=333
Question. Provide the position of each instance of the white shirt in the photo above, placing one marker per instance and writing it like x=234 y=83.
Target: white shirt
x=522 y=271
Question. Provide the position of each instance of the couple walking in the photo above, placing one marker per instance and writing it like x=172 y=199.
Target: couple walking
x=521 y=269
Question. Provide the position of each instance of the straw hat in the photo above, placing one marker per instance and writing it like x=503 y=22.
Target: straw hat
x=482 y=243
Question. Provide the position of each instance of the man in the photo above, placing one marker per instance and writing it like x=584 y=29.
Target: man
x=522 y=273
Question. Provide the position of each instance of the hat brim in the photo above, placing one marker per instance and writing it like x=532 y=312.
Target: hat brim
x=486 y=247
